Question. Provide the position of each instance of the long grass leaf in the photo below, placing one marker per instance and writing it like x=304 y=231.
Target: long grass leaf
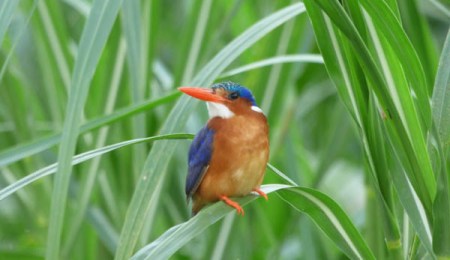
x=312 y=58
x=405 y=124
x=414 y=208
x=196 y=43
x=346 y=77
x=281 y=174
x=420 y=172
x=50 y=169
x=324 y=211
x=82 y=7
x=93 y=39
x=441 y=113
x=6 y=14
x=22 y=151
x=133 y=36
x=89 y=179
x=412 y=143
x=106 y=232
x=224 y=234
x=216 y=66
x=419 y=32
x=441 y=96
x=176 y=237
x=441 y=207
x=330 y=218
x=55 y=42
x=18 y=37
x=156 y=164
x=387 y=24
x=274 y=76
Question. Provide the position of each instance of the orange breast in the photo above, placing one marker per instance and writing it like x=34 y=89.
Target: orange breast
x=238 y=162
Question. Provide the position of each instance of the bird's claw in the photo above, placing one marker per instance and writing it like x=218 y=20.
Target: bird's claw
x=261 y=193
x=234 y=204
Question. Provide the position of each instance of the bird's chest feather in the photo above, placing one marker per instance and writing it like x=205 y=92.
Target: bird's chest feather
x=240 y=154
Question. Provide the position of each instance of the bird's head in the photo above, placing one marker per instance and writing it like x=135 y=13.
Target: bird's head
x=225 y=99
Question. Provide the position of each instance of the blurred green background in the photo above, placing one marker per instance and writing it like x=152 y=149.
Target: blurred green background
x=112 y=68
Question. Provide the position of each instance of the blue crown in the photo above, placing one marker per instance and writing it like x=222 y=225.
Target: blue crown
x=234 y=87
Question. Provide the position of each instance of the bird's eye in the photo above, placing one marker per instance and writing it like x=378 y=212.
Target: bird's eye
x=233 y=95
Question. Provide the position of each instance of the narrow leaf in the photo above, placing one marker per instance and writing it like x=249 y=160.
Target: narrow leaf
x=6 y=13
x=441 y=95
x=324 y=211
x=93 y=39
x=312 y=58
x=176 y=237
x=22 y=151
x=50 y=169
x=441 y=114
x=330 y=218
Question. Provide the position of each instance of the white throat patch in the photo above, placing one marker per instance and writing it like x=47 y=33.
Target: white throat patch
x=257 y=109
x=220 y=110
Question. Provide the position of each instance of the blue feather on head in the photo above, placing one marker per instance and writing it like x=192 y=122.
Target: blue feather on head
x=234 y=88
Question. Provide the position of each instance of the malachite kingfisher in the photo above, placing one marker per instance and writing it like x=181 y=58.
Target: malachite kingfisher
x=228 y=156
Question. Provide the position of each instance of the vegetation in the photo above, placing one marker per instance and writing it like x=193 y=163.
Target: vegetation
x=94 y=135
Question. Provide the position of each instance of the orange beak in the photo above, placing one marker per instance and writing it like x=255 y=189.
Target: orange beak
x=204 y=94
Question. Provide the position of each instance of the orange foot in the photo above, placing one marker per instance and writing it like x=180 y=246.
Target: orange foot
x=233 y=204
x=261 y=193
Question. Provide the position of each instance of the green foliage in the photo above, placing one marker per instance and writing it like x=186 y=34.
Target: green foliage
x=357 y=95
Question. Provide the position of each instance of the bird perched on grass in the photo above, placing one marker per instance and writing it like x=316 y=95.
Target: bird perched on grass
x=228 y=156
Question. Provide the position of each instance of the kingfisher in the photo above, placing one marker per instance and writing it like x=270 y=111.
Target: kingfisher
x=228 y=156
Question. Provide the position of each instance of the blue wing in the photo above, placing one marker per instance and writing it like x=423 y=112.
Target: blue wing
x=199 y=157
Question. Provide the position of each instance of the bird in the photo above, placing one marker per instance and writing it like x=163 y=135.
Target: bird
x=228 y=156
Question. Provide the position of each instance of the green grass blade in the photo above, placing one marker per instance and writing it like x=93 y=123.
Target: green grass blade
x=412 y=142
x=156 y=164
x=441 y=113
x=274 y=77
x=419 y=33
x=441 y=96
x=57 y=40
x=132 y=29
x=93 y=39
x=215 y=67
x=89 y=179
x=82 y=7
x=176 y=237
x=387 y=24
x=6 y=14
x=405 y=123
x=330 y=218
x=197 y=39
x=312 y=58
x=338 y=66
x=338 y=59
x=133 y=36
x=50 y=169
x=442 y=7
x=224 y=234
x=398 y=72
x=281 y=174
x=414 y=208
x=22 y=151
x=106 y=232
x=346 y=75
x=441 y=209
x=17 y=39
x=324 y=211
x=380 y=167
